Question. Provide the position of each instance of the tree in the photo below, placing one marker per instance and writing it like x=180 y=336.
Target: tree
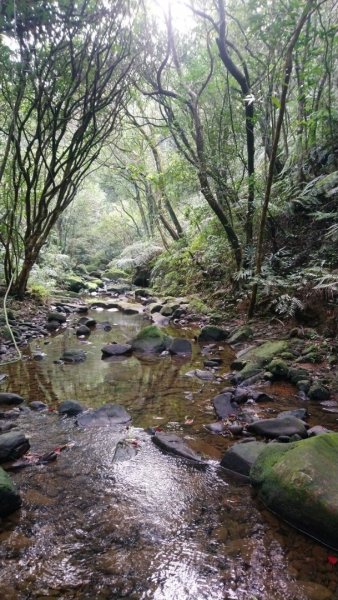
x=65 y=77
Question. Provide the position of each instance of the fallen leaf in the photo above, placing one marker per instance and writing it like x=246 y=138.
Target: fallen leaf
x=188 y=421
x=332 y=560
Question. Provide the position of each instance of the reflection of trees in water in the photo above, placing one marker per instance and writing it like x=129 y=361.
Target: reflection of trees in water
x=31 y=379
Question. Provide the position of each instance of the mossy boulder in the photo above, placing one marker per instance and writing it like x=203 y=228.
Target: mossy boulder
x=319 y=392
x=278 y=368
x=241 y=334
x=114 y=274
x=295 y=375
x=74 y=283
x=257 y=358
x=299 y=482
x=151 y=339
x=9 y=498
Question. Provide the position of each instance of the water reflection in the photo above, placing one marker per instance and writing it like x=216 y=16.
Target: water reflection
x=153 y=527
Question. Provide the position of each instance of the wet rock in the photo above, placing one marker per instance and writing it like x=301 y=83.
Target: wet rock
x=151 y=339
x=223 y=405
x=241 y=457
x=213 y=362
x=9 y=498
x=83 y=330
x=14 y=413
x=10 y=399
x=273 y=428
x=38 y=356
x=303 y=385
x=241 y=334
x=318 y=392
x=154 y=308
x=6 y=426
x=211 y=333
x=172 y=443
x=73 y=356
x=88 y=322
x=124 y=451
x=180 y=346
x=204 y=375
x=82 y=309
x=243 y=394
x=217 y=427
x=299 y=482
x=70 y=408
x=13 y=445
x=37 y=405
x=318 y=430
x=168 y=309
x=52 y=326
x=299 y=413
x=108 y=414
x=115 y=349
x=57 y=316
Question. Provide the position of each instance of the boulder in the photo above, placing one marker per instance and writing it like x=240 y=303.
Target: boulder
x=83 y=330
x=180 y=346
x=37 y=405
x=168 y=309
x=13 y=445
x=9 y=497
x=73 y=356
x=108 y=414
x=115 y=349
x=223 y=405
x=10 y=399
x=299 y=413
x=204 y=375
x=278 y=368
x=70 y=408
x=296 y=375
x=151 y=339
x=281 y=426
x=57 y=316
x=318 y=391
x=256 y=358
x=241 y=457
x=172 y=443
x=211 y=333
x=241 y=334
x=217 y=427
x=299 y=482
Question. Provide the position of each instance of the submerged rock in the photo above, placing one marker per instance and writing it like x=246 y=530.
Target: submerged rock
x=151 y=339
x=108 y=414
x=13 y=445
x=223 y=405
x=172 y=443
x=70 y=408
x=9 y=498
x=10 y=399
x=180 y=346
x=299 y=481
x=73 y=356
x=281 y=426
x=241 y=457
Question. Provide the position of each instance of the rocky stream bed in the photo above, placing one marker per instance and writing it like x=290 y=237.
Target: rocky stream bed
x=141 y=454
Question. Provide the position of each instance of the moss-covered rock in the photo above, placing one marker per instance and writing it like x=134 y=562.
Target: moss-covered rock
x=299 y=481
x=74 y=283
x=297 y=374
x=151 y=339
x=278 y=368
x=241 y=334
x=257 y=358
x=319 y=392
x=115 y=274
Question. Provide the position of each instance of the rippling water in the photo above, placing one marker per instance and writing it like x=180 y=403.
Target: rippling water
x=155 y=526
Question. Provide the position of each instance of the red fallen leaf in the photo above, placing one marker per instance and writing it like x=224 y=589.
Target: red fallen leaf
x=159 y=429
x=50 y=409
x=188 y=421
x=332 y=560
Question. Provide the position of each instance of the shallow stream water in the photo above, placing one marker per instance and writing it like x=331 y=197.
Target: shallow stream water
x=155 y=526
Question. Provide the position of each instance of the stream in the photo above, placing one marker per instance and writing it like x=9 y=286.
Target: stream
x=155 y=526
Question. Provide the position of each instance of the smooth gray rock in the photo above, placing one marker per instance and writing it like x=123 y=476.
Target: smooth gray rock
x=172 y=443
x=109 y=414
x=211 y=333
x=273 y=428
x=223 y=405
x=10 y=399
x=70 y=408
x=57 y=316
x=13 y=445
x=241 y=457
x=217 y=427
x=37 y=405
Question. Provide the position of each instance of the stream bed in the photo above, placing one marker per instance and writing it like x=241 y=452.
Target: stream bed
x=155 y=526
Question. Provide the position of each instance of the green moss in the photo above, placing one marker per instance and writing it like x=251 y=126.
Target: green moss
x=113 y=273
x=151 y=339
x=258 y=357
